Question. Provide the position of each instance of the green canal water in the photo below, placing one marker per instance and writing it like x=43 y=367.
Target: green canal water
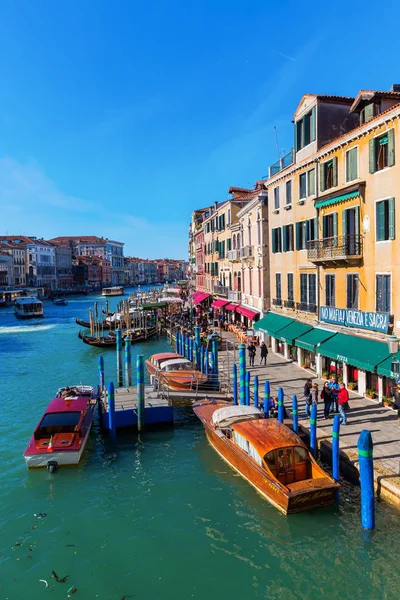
x=161 y=517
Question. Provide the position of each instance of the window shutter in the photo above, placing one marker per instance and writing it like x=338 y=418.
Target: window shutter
x=313 y=124
x=229 y=244
x=344 y=216
x=315 y=229
x=298 y=240
x=391 y=219
x=322 y=177
x=334 y=169
x=380 y=221
x=390 y=147
x=368 y=112
x=311 y=182
x=273 y=240
x=372 y=156
x=335 y=231
x=284 y=238
x=357 y=219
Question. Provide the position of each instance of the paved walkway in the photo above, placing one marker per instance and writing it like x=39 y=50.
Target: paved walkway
x=364 y=414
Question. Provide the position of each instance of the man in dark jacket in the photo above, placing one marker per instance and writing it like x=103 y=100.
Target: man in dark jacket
x=264 y=353
x=251 y=349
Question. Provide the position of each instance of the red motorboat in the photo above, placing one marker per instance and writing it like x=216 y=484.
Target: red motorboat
x=62 y=433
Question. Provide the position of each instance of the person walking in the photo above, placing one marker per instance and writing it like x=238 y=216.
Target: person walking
x=334 y=387
x=343 y=401
x=314 y=393
x=326 y=396
x=251 y=349
x=307 y=396
x=264 y=353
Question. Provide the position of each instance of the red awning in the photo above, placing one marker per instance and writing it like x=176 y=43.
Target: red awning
x=250 y=314
x=199 y=297
x=219 y=303
x=231 y=307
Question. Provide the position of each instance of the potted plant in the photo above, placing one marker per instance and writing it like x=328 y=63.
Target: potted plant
x=352 y=385
x=325 y=375
x=340 y=379
x=388 y=401
x=370 y=393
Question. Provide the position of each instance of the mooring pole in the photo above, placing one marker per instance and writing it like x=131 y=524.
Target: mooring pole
x=365 y=448
x=247 y=387
x=313 y=429
x=267 y=395
x=118 y=339
x=197 y=335
x=111 y=411
x=281 y=408
x=295 y=413
x=191 y=348
x=335 y=451
x=214 y=347
x=207 y=364
x=202 y=355
x=242 y=373
x=255 y=391
x=128 y=362
x=234 y=384
x=101 y=374
x=140 y=392
x=177 y=345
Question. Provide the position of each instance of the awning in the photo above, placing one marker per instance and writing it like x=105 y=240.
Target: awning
x=246 y=312
x=219 y=303
x=337 y=199
x=385 y=367
x=200 y=297
x=231 y=307
x=291 y=332
x=311 y=339
x=272 y=323
x=357 y=351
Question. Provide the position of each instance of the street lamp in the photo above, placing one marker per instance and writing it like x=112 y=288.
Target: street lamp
x=393 y=343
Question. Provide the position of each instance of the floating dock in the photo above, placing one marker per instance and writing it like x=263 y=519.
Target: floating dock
x=157 y=409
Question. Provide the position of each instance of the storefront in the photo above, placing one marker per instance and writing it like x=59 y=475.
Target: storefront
x=388 y=388
x=289 y=334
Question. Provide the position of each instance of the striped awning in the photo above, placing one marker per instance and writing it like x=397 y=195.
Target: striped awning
x=336 y=199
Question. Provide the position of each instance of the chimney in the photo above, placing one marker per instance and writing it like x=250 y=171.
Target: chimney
x=395 y=87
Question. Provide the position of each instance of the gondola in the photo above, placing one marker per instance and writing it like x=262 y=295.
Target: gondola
x=110 y=341
x=86 y=324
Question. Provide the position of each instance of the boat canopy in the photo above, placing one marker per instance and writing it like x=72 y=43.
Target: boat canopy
x=229 y=414
x=175 y=362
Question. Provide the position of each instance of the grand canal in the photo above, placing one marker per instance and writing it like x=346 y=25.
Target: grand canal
x=161 y=517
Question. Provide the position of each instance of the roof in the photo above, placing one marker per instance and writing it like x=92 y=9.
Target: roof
x=90 y=239
x=267 y=434
x=365 y=96
x=226 y=413
x=27 y=300
x=61 y=405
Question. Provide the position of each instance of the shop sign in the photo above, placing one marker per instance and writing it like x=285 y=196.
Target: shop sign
x=347 y=317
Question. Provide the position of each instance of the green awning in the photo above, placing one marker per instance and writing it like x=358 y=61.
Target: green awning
x=336 y=199
x=357 y=351
x=154 y=305
x=291 y=332
x=312 y=338
x=272 y=323
x=385 y=367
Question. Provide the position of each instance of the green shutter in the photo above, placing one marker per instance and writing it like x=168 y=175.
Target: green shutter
x=357 y=219
x=273 y=240
x=229 y=244
x=380 y=221
x=390 y=147
x=335 y=167
x=311 y=182
x=368 y=112
x=335 y=232
x=391 y=219
x=344 y=215
x=372 y=156
x=316 y=233
x=298 y=240
x=284 y=244
x=322 y=177
x=313 y=124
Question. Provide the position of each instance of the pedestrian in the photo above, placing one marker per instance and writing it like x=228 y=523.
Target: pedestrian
x=264 y=353
x=307 y=396
x=326 y=396
x=343 y=401
x=314 y=393
x=334 y=387
x=251 y=349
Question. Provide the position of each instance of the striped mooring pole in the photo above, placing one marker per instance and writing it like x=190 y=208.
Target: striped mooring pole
x=202 y=357
x=207 y=364
x=242 y=373
x=295 y=413
x=267 y=395
x=197 y=335
x=313 y=429
x=140 y=391
x=255 y=388
x=365 y=449
x=281 y=408
x=128 y=362
x=177 y=343
x=214 y=348
x=234 y=384
x=191 y=349
x=247 y=383
x=335 y=451
x=118 y=339
x=111 y=411
x=101 y=373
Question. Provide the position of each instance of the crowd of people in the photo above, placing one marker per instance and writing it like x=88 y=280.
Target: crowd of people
x=334 y=396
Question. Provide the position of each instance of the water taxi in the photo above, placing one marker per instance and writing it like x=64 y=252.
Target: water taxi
x=28 y=308
x=270 y=456
x=60 y=302
x=62 y=432
x=113 y=291
x=175 y=371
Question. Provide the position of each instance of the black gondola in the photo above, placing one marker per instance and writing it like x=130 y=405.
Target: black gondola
x=110 y=341
x=86 y=324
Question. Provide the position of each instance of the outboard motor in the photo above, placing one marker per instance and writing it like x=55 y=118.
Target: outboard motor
x=52 y=466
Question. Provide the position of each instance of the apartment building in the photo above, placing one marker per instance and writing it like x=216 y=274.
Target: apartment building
x=6 y=269
x=18 y=254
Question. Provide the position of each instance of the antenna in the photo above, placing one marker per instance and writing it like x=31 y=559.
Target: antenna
x=277 y=143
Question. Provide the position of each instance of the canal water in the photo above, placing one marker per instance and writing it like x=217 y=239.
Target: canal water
x=161 y=517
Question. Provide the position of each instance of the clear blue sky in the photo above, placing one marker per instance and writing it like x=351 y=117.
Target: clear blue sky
x=118 y=118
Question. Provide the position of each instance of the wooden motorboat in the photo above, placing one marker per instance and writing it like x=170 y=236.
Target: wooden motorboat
x=269 y=455
x=110 y=341
x=62 y=432
x=175 y=371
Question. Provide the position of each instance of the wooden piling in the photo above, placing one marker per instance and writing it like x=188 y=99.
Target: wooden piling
x=247 y=388
x=313 y=429
x=118 y=339
x=234 y=384
x=111 y=411
x=255 y=388
x=140 y=392
x=335 y=450
x=242 y=373
x=281 y=408
x=101 y=374
x=128 y=362
x=295 y=413
x=267 y=396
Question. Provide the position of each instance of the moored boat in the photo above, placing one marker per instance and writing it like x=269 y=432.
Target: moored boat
x=60 y=302
x=175 y=371
x=28 y=307
x=113 y=291
x=61 y=435
x=268 y=455
x=110 y=341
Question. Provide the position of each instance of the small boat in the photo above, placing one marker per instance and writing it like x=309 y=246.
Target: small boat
x=110 y=341
x=28 y=307
x=113 y=291
x=175 y=371
x=269 y=455
x=60 y=302
x=86 y=324
x=62 y=432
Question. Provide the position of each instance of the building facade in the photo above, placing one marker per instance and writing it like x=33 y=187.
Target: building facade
x=63 y=260
x=6 y=269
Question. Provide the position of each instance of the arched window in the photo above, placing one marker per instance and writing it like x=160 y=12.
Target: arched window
x=238 y=241
x=239 y=286
x=234 y=242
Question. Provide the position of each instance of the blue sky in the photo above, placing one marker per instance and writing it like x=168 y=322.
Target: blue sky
x=120 y=118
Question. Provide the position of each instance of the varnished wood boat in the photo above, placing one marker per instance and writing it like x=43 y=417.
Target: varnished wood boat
x=110 y=340
x=175 y=371
x=268 y=455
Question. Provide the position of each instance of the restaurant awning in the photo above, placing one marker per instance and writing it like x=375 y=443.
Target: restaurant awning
x=231 y=307
x=311 y=339
x=385 y=367
x=336 y=199
x=219 y=303
x=357 y=351
x=289 y=333
x=272 y=323
x=246 y=312
x=200 y=297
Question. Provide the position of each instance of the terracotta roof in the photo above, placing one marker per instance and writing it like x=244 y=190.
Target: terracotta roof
x=332 y=97
x=90 y=239
x=368 y=95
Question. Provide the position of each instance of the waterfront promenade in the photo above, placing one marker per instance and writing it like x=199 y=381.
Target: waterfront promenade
x=364 y=414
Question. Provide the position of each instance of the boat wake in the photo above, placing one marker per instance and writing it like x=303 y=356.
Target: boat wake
x=25 y=329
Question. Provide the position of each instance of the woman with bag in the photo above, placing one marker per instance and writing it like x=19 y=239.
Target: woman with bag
x=326 y=396
x=307 y=396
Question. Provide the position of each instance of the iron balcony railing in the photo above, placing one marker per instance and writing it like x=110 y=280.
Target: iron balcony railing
x=340 y=247
x=277 y=301
x=289 y=303
x=221 y=290
x=305 y=307
x=281 y=164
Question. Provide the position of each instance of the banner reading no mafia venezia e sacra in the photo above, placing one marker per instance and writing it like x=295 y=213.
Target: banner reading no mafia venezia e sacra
x=348 y=317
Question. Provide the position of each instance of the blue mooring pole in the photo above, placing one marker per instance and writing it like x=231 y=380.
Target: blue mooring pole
x=247 y=383
x=101 y=373
x=255 y=388
x=313 y=430
x=140 y=392
x=267 y=395
x=191 y=349
x=242 y=373
x=365 y=448
x=214 y=347
x=128 y=362
x=207 y=364
x=295 y=414
x=335 y=451
x=281 y=408
x=202 y=355
x=111 y=411
x=177 y=345
x=118 y=339
x=234 y=384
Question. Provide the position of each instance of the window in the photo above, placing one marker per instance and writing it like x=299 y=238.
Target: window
x=368 y=112
x=303 y=186
x=308 y=289
x=329 y=225
x=290 y=292
x=381 y=151
x=303 y=288
x=229 y=216
x=276 y=198
x=311 y=182
x=352 y=291
x=276 y=239
x=288 y=192
x=305 y=130
x=383 y=293
x=287 y=238
x=351 y=164
x=385 y=226
x=330 y=290
x=328 y=174
x=278 y=286
x=301 y=235
x=229 y=244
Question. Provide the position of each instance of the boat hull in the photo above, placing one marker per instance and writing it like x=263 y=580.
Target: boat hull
x=64 y=458
x=29 y=316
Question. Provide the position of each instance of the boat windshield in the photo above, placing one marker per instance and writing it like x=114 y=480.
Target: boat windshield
x=179 y=367
x=64 y=422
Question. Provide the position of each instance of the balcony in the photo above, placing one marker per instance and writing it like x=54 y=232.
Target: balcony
x=281 y=164
x=234 y=296
x=233 y=255
x=277 y=301
x=308 y=308
x=335 y=249
x=246 y=253
x=221 y=290
x=289 y=304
